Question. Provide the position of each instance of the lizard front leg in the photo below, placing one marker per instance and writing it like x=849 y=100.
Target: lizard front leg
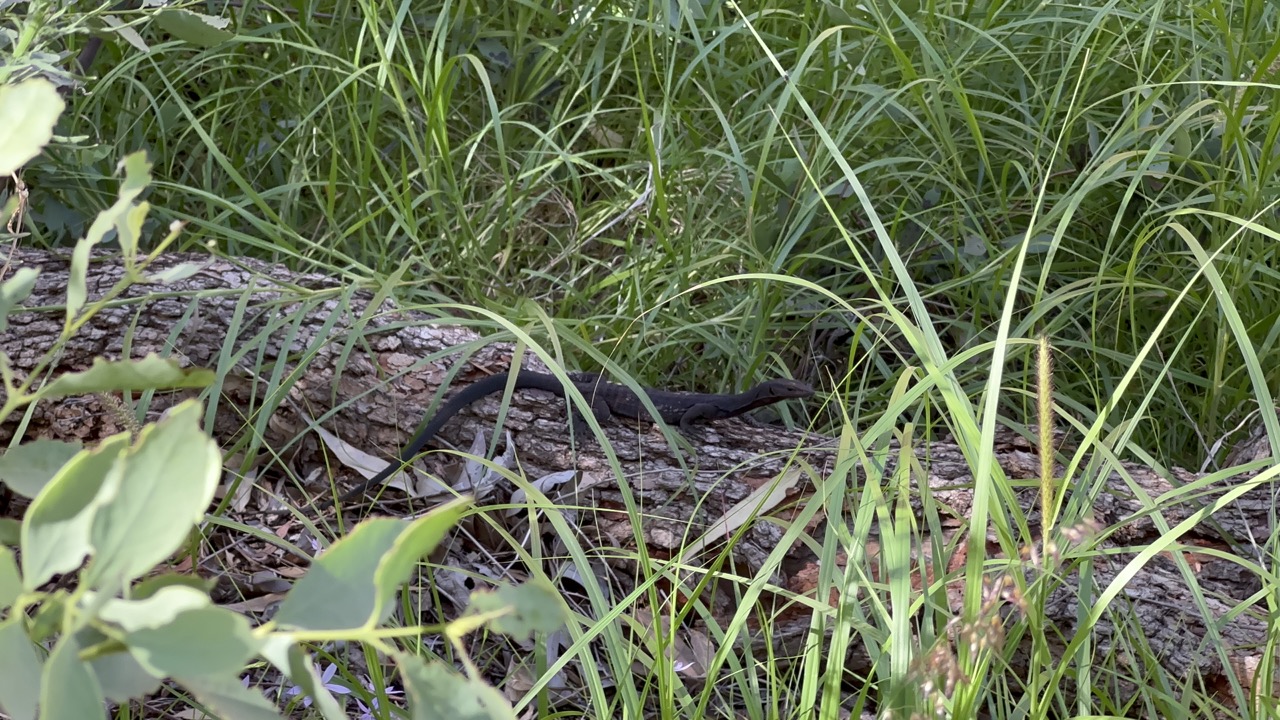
x=584 y=382
x=698 y=413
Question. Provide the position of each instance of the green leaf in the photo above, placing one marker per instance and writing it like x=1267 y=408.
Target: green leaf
x=438 y=693
x=229 y=700
x=338 y=592
x=285 y=654
x=150 y=373
x=15 y=290
x=10 y=532
x=203 y=642
x=47 y=622
x=522 y=610
x=122 y=678
x=177 y=632
x=137 y=178
x=421 y=538
x=126 y=33
x=170 y=478
x=154 y=584
x=55 y=530
x=197 y=29
x=28 y=112
x=20 y=681
x=129 y=229
x=118 y=673
x=27 y=468
x=158 y=610
x=353 y=584
x=177 y=273
x=68 y=690
x=10 y=580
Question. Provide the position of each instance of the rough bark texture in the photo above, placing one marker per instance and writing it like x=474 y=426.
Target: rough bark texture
x=368 y=376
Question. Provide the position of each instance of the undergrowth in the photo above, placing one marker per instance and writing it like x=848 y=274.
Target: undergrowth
x=712 y=193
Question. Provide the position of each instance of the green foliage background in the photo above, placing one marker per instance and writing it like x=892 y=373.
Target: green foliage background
x=606 y=160
x=963 y=175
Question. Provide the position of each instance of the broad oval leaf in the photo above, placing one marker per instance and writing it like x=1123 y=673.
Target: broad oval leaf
x=338 y=591
x=522 y=610
x=156 y=611
x=169 y=479
x=150 y=373
x=439 y=693
x=15 y=290
x=28 y=112
x=29 y=467
x=55 y=530
x=177 y=632
x=420 y=539
x=287 y=656
x=352 y=586
x=10 y=532
x=20 y=681
x=122 y=677
x=10 y=580
x=68 y=689
x=119 y=674
x=228 y=699
x=200 y=642
x=197 y=29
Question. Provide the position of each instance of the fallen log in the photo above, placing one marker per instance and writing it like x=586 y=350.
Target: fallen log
x=297 y=354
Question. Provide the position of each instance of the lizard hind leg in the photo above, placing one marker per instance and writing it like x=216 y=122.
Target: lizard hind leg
x=581 y=428
x=698 y=413
x=599 y=408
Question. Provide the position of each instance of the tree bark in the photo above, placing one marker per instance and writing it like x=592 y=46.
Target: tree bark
x=368 y=374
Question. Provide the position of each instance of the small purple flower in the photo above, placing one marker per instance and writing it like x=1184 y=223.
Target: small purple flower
x=367 y=711
x=329 y=671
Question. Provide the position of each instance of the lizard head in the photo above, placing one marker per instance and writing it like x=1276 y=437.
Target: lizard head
x=783 y=388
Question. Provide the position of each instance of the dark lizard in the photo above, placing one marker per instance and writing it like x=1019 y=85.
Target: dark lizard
x=606 y=400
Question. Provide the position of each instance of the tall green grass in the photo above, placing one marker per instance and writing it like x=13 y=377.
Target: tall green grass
x=940 y=182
